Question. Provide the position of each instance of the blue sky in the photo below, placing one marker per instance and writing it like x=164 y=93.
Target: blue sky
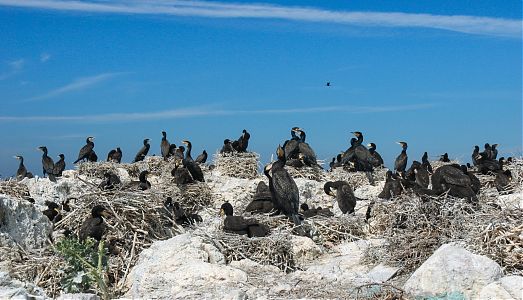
x=441 y=75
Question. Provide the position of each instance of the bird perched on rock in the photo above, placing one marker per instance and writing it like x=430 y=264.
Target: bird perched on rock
x=85 y=151
x=47 y=164
x=401 y=161
x=94 y=226
x=344 y=195
x=240 y=225
x=21 y=173
x=143 y=151
x=202 y=158
x=59 y=166
x=425 y=162
x=164 y=146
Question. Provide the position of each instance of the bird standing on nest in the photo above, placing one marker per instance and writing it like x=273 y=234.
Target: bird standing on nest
x=144 y=183
x=86 y=150
x=94 y=226
x=344 y=195
x=240 y=225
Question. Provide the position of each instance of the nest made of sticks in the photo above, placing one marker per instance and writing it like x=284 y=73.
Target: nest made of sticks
x=195 y=196
x=333 y=231
x=240 y=165
x=414 y=228
x=156 y=165
x=275 y=250
x=356 y=179
x=137 y=220
x=312 y=173
x=14 y=189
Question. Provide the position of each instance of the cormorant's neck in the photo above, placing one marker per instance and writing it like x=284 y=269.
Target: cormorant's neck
x=360 y=138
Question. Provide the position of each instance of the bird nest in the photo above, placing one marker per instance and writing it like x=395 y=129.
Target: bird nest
x=195 y=196
x=312 y=173
x=14 y=189
x=137 y=220
x=334 y=231
x=356 y=179
x=240 y=165
x=437 y=163
x=275 y=250
x=414 y=228
x=156 y=165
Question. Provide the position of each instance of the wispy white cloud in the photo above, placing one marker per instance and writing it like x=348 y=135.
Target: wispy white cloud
x=14 y=67
x=75 y=85
x=211 y=111
x=459 y=23
x=44 y=57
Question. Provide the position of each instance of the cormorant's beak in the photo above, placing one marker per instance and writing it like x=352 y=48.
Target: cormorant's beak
x=16 y=156
x=57 y=210
x=105 y=213
x=369 y=145
x=332 y=193
x=222 y=212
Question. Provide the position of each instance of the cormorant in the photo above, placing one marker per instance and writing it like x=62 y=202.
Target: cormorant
x=52 y=211
x=487 y=153
x=243 y=141
x=475 y=155
x=309 y=157
x=193 y=167
x=401 y=161
x=59 y=166
x=328 y=83
x=425 y=162
x=47 y=164
x=143 y=152
x=179 y=153
x=444 y=157
x=164 y=146
x=115 y=155
x=172 y=150
x=181 y=175
x=284 y=190
x=202 y=158
x=475 y=184
x=378 y=161
x=92 y=156
x=110 y=181
x=227 y=147
x=418 y=174
x=21 y=173
x=451 y=179
x=240 y=225
x=488 y=165
x=344 y=195
x=291 y=146
x=311 y=212
x=182 y=218
x=261 y=201
x=502 y=180
x=494 y=151
x=94 y=226
x=144 y=183
x=392 y=187
x=86 y=150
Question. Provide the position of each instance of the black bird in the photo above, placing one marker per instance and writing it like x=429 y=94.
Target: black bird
x=401 y=161
x=164 y=146
x=181 y=175
x=494 y=151
x=502 y=181
x=115 y=155
x=425 y=162
x=21 y=173
x=144 y=183
x=92 y=156
x=488 y=165
x=244 y=141
x=378 y=161
x=182 y=218
x=52 y=211
x=179 y=154
x=328 y=83
x=202 y=158
x=192 y=167
x=344 y=195
x=308 y=212
x=59 y=166
x=240 y=225
x=143 y=152
x=451 y=179
x=475 y=184
x=47 y=164
x=261 y=201
x=110 y=181
x=392 y=187
x=487 y=153
x=86 y=150
x=94 y=226
x=418 y=174
x=444 y=157
x=172 y=150
x=284 y=190
x=475 y=155
x=309 y=157
x=291 y=146
x=227 y=147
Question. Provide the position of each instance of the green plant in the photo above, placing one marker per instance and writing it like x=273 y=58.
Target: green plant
x=86 y=265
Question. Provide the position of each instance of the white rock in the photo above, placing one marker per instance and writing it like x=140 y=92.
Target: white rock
x=511 y=201
x=304 y=250
x=180 y=268
x=382 y=273
x=23 y=223
x=79 y=296
x=509 y=287
x=14 y=289
x=453 y=269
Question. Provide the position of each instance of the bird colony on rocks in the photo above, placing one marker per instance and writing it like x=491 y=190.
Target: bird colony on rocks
x=403 y=215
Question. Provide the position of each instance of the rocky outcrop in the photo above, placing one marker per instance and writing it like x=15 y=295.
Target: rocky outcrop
x=508 y=288
x=14 y=289
x=453 y=270
x=22 y=224
x=184 y=267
